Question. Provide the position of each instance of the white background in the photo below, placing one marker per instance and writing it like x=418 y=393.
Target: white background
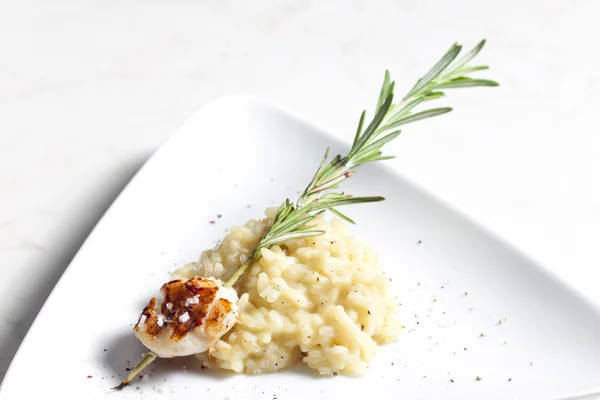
x=88 y=90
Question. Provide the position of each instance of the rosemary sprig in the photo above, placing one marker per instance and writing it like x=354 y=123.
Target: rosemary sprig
x=293 y=220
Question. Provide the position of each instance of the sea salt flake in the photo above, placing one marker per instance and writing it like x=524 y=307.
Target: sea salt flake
x=192 y=300
x=185 y=317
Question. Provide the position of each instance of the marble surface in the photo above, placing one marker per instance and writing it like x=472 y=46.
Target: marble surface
x=89 y=89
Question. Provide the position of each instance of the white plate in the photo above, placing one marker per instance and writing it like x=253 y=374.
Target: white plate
x=239 y=155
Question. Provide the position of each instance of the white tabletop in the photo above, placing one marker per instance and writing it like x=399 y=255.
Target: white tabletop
x=88 y=90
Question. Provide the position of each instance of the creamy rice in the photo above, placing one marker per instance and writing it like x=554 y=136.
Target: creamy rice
x=322 y=299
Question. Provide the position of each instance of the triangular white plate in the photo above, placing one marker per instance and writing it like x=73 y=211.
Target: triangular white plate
x=235 y=157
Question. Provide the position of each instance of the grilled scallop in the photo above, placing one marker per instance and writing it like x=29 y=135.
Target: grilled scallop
x=193 y=315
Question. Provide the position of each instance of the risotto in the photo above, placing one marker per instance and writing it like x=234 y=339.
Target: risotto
x=322 y=300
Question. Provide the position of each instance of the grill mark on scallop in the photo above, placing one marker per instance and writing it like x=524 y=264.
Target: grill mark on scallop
x=176 y=293
x=217 y=316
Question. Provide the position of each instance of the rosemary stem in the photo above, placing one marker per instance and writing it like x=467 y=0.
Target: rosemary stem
x=239 y=272
x=144 y=362
x=293 y=219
